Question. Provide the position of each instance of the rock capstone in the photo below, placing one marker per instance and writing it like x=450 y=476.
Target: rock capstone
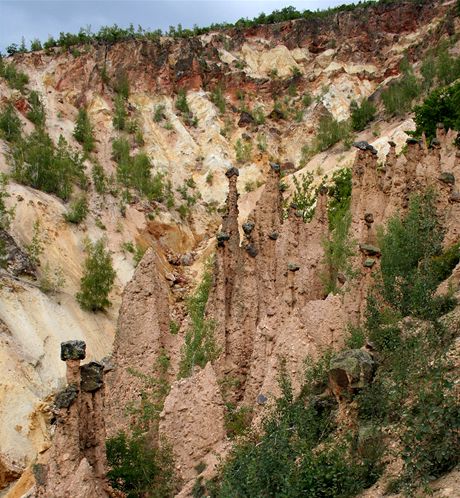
x=92 y=376
x=351 y=369
x=73 y=350
x=362 y=145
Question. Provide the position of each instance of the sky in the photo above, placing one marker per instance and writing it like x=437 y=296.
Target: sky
x=40 y=18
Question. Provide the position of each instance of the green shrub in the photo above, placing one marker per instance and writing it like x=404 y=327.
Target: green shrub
x=218 y=99
x=159 y=113
x=36 y=246
x=15 y=78
x=35 y=45
x=181 y=102
x=120 y=114
x=243 y=151
x=441 y=106
x=200 y=346
x=400 y=94
x=36 y=114
x=51 y=281
x=307 y=99
x=78 y=211
x=37 y=162
x=330 y=131
x=237 y=420
x=362 y=115
x=139 y=469
x=6 y=214
x=98 y=278
x=447 y=68
x=121 y=85
x=408 y=246
x=339 y=195
x=10 y=124
x=83 y=131
x=99 y=178
x=258 y=115
x=304 y=196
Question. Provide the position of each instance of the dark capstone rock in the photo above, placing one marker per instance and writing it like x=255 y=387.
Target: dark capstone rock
x=323 y=190
x=14 y=258
x=248 y=227
x=369 y=249
x=351 y=369
x=232 y=172
x=276 y=114
x=40 y=472
x=369 y=218
x=273 y=235
x=245 y=119
x=275 y=167
x=391 y=143
x=73 y=350
x=293 y=205
x=66 y=397
x=447 y=177
x=435 y=143
x=222 y=237
x=293 y=267
x=369 y=263
x=455 y=197
x=246 y=137
x=261 y=399
x=252 y=250
x=413 y=141
x=362 y=145
x=92 y=377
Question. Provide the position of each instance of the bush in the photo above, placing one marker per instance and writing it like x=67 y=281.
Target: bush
x=83 y=131
x=41 y=165
x=36 y=114
x=218 y=99
x=243 y=151
x=159 y=113
x=362 y=115
x=15 y=79
x=10 y=124
x=441 y=106
x=330 y=131
x=200 y=346
x=77 y=211
x=98 y=278
x=304 y=196
x=120 y=114
x=447 y=68
x=51 y=281
x=6 y=215
x=408 y=246
x=121 y=85
x=138 y=469
x=181 y=102
x=400 y=94
x=99 y=179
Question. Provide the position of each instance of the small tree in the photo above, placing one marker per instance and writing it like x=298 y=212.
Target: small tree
x=83 y=131
x=361 y=114
x=10 y=124
x=98 y=277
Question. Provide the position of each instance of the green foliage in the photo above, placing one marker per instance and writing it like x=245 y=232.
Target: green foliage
x=218 y=99
x=447 y=68
x=98 y=278
x=200 y=346
x=304 y=196
x=36 y=246
x=258 y=115
x=15 y=78
x=10 y=124
x=174 y=327
x=36 y=114
x=307 y=99
x=35 y=45
x=138 y=469
x=120 y=114
x=400 y=94
x=181 y=102
x=121 y=85
x=159 y=113
x=339 y=195
x=441 y=106
x=135 y=171
x=243 y=151
x=338 y=249
x=362 y=115
x=138 y=254
x=51 y=281
x=99 y=178
x=295 y=454
x=408 y=246
x=83 y=131
x=237 y=420
x=78 y=210
x=6 y=214
x=330 y=131
x=37 y=162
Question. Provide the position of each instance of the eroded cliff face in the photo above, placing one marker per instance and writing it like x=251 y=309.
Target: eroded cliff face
x=268 y=298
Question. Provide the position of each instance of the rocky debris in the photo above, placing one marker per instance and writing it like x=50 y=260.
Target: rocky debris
x=369 y=262
x=447 y=178
x=73 y=350
x=362 y=145
x=273 y=235
x=222 y=237
x=261 y=399
x=14 y=258
x=369 y=218
x=66 y=397
x=251 y=249
x=248 y=227
x=293 y=267
x=275 y=167
x=369 y=249
x=350 y=370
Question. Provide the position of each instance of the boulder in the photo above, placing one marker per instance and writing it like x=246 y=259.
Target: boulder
x=369 y=249
x=362 y=145
x=73 y=350
x=447 y=177
x=350 y=370
x=92 y=376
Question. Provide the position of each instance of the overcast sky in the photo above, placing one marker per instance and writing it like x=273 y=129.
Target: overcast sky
x=38 y=18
